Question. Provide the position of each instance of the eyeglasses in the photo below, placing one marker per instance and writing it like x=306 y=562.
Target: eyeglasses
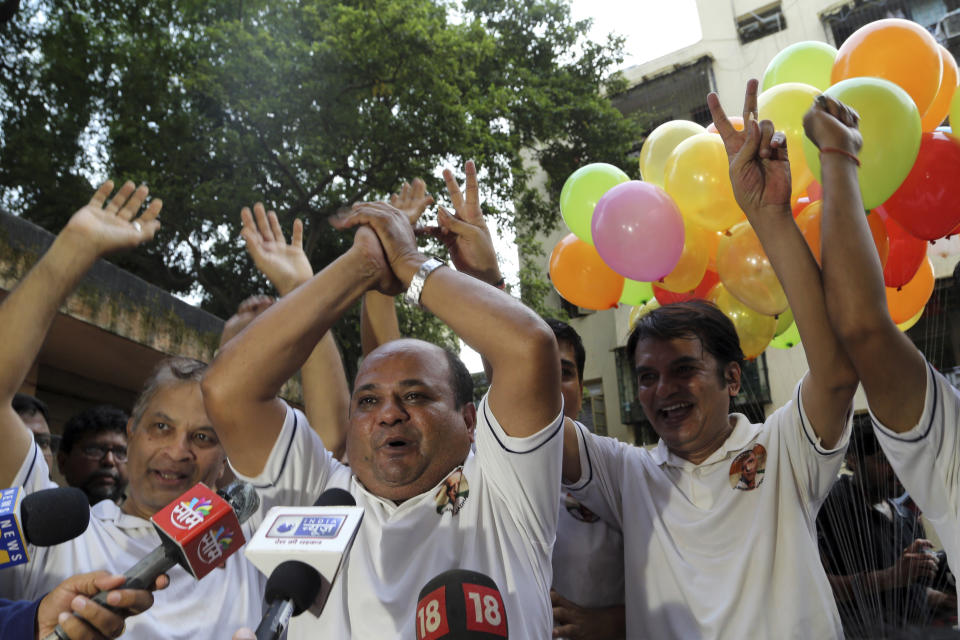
x=97 y=452
x=47 y=440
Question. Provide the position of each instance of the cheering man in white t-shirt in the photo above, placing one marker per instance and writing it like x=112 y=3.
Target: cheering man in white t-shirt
x=709 y=554
x=914 y=409
x=408 y=441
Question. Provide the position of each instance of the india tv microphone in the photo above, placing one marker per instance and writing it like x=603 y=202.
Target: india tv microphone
x=461 y=605
x=42 y=518
x=291 y=588
x=320 y=535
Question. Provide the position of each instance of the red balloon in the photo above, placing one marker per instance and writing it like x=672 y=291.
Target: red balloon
x=815 y=191
x=710 y=278
x=927 y=204
x=906 y=252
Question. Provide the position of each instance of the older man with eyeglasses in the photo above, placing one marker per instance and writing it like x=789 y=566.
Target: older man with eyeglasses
x=93 y=453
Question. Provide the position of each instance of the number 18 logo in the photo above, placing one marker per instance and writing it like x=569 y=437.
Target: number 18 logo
x=432 y=615
x=484 y=610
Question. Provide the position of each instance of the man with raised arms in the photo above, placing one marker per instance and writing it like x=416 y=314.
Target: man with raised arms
x=410 y=428
x=171 y=444
x=915 y=410
x=708 y=555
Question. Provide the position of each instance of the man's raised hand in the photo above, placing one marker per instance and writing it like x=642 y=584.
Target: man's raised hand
x=396 y=238
x=412 y=200
x=107 y=224
x=759 y=169
x=465 y=232
x=285 y=265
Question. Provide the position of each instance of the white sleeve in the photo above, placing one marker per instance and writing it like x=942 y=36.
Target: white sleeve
x=926 y=458
x=814 y=467
x=523 y=472
x=298 y=469
x=600 y=485
x=34 y=474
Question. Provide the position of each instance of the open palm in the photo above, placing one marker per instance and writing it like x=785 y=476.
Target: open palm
x=285 y=265
x=103 y=226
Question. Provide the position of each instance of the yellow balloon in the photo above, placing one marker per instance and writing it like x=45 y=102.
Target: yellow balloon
x=693 y=260
x=785 y=105
x=697 y=176
x=755 y=330
x=660 y=143
x=638 y=312
x=745 y=271
x=906 y=326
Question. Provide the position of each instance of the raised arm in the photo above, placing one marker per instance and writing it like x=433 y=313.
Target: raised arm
x=326 y=392
x=525 y=393
x=891 y=369
x=102 y=226
x=241 y=386
x=760 y=173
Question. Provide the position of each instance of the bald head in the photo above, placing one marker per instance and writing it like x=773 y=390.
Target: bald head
x=460 y=380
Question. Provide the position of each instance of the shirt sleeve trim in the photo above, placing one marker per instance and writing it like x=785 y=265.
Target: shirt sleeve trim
x=934 y=405
x=808 y=431
x=490 y=420
x=585 y=451
x=286 y=454
x=33 y=463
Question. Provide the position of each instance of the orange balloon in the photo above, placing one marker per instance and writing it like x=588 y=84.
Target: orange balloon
x=897 y=50
x=693 y=260
x=906 y=301
x=940 y=107
x=809 y=222
x=581 y=277
x=736 y=121
x=755 y=330
x=745 y=271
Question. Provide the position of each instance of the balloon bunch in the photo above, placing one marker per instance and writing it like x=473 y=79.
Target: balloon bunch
x=678 y=234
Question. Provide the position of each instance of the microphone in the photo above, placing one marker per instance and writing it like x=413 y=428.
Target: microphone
x=461 y=605
x=42 y=518
x=291 y=588
x=320 y=535
x=199 y=531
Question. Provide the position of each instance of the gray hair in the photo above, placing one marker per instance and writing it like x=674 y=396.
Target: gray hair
x=170 y=371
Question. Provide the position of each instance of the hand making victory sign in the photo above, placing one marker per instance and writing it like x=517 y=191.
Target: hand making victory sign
x=759 y=168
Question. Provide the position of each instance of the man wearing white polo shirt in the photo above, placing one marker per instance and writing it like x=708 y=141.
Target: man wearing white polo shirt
x=718 y=519
x=171 y=445
x=915 y=410
x=430 y=504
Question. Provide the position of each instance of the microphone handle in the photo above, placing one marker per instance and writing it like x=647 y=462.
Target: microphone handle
x=275 y=620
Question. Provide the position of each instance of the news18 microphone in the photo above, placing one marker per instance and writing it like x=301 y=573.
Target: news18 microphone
x=461 y=605
x=291 y=589
x=42 y=518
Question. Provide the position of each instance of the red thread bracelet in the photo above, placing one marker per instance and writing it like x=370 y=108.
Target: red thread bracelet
x=842 y=152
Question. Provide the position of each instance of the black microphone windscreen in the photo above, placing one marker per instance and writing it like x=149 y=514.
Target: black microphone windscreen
x=53 y=516
x=335 y=497
x=461 y=605
x=242 y=497
x=296 y=581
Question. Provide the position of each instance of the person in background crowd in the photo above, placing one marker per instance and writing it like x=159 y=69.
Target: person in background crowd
x=93 y=453
x=33 y=412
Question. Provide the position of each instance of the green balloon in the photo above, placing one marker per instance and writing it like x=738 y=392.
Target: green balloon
x=890 y=125
x=580 y=194
x=787 y=339
x=636 y=293
x=784 y=321
x=808 y=62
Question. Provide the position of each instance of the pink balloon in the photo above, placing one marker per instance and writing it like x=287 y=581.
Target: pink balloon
x=638 y=231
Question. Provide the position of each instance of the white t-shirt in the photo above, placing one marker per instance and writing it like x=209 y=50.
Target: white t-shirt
x=927 y=461
x=587 y=557
x=710 y=550
x=502 y=524
x=187 y=609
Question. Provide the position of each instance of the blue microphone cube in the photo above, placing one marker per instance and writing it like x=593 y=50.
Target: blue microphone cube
x=13 y=544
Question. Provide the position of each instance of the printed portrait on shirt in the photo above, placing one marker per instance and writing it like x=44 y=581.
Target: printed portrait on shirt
x=577 y=510
x=747 y=469
x=453 y=492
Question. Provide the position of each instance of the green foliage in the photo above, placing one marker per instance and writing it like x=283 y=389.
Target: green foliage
x=306 y=106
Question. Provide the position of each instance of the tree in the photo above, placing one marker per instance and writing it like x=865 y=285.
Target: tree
x=307 y=106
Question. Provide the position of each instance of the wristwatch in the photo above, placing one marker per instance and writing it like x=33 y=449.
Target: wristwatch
x=415 y=290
